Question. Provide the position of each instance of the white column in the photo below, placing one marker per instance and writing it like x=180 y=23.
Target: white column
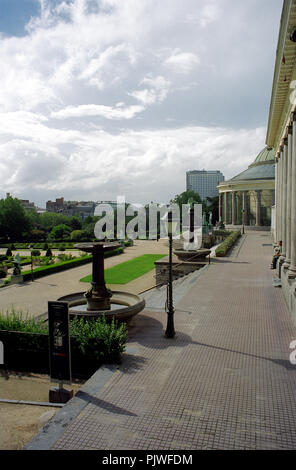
x=276 y=236
x=233 y=208
x=284 y=200
x=292 y=269
x=288 y=199
x=245 y=219
x=258 y=207
x=225 y=208
x=279 y=193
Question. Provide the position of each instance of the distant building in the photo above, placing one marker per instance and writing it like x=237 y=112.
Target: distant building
x=80 y=209
x=56 y=206
x=204 y=182
x=25 y=202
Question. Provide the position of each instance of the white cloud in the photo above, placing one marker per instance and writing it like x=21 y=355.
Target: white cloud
x=183 y=62
x=119 y=112
x=157 y=91
x=107 y=97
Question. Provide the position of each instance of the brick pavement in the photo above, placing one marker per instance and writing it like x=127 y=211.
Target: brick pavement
x=224 y=382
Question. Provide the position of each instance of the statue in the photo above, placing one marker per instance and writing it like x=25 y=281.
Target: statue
x=17 y=265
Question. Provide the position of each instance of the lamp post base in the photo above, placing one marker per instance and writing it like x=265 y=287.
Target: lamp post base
x=170 y=330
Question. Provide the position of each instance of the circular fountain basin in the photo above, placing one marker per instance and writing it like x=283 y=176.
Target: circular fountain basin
x=192 y=255
x=124 y=306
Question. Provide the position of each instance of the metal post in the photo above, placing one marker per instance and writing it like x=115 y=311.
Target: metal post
x=170 y=330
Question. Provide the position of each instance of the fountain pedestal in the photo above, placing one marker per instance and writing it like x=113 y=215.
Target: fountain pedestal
x=98 y=296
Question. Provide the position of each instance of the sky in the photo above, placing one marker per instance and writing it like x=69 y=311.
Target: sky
x=107 y=98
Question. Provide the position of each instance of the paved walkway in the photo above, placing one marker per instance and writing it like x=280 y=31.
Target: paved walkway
x=224 y=382
x=32 y=297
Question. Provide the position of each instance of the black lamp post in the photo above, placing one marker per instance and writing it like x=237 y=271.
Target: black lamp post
x=170 y=329
x=243 y=212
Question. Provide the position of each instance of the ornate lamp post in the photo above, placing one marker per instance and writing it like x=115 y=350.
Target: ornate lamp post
x=170 y=329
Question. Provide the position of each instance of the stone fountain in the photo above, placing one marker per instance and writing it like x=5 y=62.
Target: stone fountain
x=98 y=299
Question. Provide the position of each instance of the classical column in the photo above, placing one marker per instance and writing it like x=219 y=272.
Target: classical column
x=292 y=269
x=284 y=200
x=233 y=208
x=245 y=207
x=258 y=207
x=279 y=194
x=276 y=228
x=220 y=206
x=225 y=208
x=288 y=199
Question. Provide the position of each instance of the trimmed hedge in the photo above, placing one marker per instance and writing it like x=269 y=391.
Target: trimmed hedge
x=55 y=268
x=223 y=249
x=63 y=265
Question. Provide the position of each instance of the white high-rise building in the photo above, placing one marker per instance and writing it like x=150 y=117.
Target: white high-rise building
x=204 y=182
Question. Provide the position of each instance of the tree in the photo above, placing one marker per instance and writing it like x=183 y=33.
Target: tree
x=184 y=197
x=60 y=232
x=48 y=220
x=75 y=223
x=213 y=206
x=14 y=220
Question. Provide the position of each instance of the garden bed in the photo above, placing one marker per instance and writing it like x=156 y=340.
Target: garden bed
x=92 y=344
x=227 y=244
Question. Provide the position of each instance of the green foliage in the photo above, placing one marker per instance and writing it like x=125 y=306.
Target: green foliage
x=129 y=270
x=48 y=220
x=36 y=234
x=16 y=321
x=184 y=197
x=65 y=257
x=75 y=223
x=225 y=246
x=78 y=235
x=8 y=252
x=48 y=253
x=59 y=232
x=14 y=220
x=57 y=267
x=96 y=339
x=35 y=252
x=99 y=339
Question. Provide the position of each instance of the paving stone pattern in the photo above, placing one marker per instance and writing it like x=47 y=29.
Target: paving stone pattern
x=224 y=382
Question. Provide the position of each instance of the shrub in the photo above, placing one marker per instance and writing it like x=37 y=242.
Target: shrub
x=35 y=252
x=62 y=248
x=3 y=273
x=48 y=253
x=8 y=252
x=98 y=338
x=223 y=249
x=17 y=321
x=92 y=341
x=12 y=247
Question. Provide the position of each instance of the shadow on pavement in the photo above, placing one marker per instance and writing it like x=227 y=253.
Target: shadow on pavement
x=149 y=332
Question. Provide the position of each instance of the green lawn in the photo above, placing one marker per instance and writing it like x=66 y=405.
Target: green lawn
x=125 y=272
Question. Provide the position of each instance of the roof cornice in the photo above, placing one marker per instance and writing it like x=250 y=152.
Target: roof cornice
x=283 y=74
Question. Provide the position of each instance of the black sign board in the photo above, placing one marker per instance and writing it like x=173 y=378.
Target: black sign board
x=59 y=342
